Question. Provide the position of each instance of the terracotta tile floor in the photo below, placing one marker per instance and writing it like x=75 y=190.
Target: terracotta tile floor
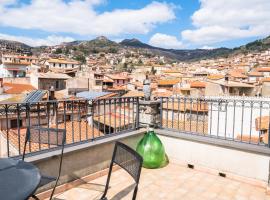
x=171 y=182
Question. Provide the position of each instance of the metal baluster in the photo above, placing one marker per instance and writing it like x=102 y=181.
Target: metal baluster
x=48 y=123
x=234 y=104
x=19 y=127
x=161 y=113
x=115 y=129
x=211 y=117
x=167 y=120
x=260 y=122
x=120 y=113
x=184 y=114
x=219 y=108
x=204 y=105
x=197 y=116
x=137 y=113
x=226 y=115
x=56 y=120
x=72 y=121
x=104 y=116
x=133 y=113
x=242 y=120
x=39 y=140
x=190 y=114
x=250 y=125
x=268 y=122
x=124 y=113
x=110 y=116
x=172 y=111
x=7 y=126
x=98 y=110
x=86 y=121
x=178 y=114
x=65 y=120
x=79 y=118
x=93 y=116
x=128 y=102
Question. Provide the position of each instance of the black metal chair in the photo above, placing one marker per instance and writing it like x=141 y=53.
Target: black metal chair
x=129 y=160
x=46 y=136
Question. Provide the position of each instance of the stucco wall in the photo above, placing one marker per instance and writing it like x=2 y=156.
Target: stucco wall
x=225 y=160
x=17 y=80
x=213 y=89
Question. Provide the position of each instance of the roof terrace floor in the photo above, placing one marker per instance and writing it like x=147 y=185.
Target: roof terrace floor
x=171 y=182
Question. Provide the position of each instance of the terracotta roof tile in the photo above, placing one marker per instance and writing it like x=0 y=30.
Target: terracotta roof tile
x=168 y=82
x=215 y=76
x=262 y=123
x=263 y=69
x=79 y=128
x=254 y=73
x=237 y=74
x=267 y=79
x=134 y=94
x=184 y=107
x=197 y=84
x=12 y=88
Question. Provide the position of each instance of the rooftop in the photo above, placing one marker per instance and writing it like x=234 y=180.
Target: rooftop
x=50 y=75
x=171 y=182
x=208 y=159
x=14 y=88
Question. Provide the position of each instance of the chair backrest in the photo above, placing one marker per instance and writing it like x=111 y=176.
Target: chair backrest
x=49 y=136
x=128 y=159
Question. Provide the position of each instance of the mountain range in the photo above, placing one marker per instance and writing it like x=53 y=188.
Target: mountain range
x=102 y=44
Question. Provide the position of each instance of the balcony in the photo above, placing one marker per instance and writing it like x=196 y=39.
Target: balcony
x=218 y=148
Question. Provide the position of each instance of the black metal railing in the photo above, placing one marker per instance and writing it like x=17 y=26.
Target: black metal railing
x=83 y=120
x=241 y=119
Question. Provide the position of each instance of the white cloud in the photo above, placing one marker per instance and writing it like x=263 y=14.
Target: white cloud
x=223 y=20
x=49 y=41
x=80 y=17
x=165 y=41
x=207 y=47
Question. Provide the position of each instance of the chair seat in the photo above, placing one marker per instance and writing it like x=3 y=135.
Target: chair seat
x=46 y=180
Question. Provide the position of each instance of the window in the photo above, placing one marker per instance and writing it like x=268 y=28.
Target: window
x=53 y=64
x=57 y=84
x=14 y=123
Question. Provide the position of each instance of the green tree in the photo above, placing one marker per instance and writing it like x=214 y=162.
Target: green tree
x=153 y=70
x=140 y=62
x=80 y=58
x=58 y=51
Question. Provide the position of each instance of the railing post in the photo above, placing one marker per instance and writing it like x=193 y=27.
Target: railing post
x=137 y=113
x=268 y=135
x=161 y=113
x=149 y=113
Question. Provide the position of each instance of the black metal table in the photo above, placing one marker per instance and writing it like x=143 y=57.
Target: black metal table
x=18 y=179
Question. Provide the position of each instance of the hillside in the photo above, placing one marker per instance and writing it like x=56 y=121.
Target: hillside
x=14 y=46
x=256 y=46
x=181 y=55
x=80 y=49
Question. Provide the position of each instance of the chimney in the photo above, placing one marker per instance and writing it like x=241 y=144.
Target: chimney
x=52 y=93
x=1 y=86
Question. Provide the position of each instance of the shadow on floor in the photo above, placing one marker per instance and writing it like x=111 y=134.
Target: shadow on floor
x=123 y=193
x=93 y=186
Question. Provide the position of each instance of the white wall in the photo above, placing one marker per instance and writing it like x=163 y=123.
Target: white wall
x=239 y=120
x=244 y=164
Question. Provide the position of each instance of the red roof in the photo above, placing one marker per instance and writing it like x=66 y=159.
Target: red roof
x=197 y=84
x=263 y=69
x=14 y=88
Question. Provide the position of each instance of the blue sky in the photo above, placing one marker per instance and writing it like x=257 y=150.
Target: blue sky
x=179 y=24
